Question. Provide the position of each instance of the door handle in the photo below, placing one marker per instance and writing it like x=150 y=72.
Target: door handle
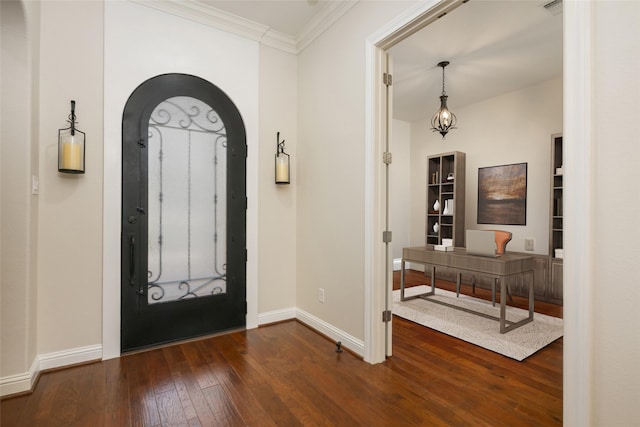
x=132 y=259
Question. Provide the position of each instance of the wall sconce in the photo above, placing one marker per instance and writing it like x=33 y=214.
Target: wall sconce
x=444 y=119
x=71 y=146
x=282 y=162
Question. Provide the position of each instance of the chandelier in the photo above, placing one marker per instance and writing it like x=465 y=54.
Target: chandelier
x=444 y=119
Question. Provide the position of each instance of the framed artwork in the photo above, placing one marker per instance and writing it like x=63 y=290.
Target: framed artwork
x=502 y=194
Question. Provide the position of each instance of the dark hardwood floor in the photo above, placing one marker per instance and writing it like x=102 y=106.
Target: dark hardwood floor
x=286 y=374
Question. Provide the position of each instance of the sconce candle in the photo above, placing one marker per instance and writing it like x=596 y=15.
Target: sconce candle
x=71 y=154
x=71 y=146
x=282 y=163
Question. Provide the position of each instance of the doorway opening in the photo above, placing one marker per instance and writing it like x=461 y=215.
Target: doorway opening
x=577 y=36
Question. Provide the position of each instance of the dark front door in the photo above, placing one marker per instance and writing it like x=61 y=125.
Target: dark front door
x=183 y=212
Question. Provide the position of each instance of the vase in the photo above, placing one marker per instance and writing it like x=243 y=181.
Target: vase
x=447 y=208
x=436 y=206
x=436 y=227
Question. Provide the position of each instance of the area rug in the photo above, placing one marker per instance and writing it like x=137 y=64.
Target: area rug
x=517 y=344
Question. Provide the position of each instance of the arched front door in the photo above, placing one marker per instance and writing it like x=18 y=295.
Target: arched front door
x=183 y=212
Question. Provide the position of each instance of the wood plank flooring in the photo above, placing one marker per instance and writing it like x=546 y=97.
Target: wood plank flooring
x=288 y=375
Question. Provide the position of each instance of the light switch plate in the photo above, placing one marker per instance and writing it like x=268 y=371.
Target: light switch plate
x=35 y=185
x=529 y=244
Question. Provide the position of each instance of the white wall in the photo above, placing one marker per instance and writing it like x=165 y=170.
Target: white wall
x=615 y=212
x=515 y=127
x=400 y=185
x=70 y=235
x=277 y=222
x=19 y=40
x=331 y=151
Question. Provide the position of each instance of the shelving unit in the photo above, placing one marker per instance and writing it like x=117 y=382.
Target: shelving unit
x=554 y=290
x=446 y=184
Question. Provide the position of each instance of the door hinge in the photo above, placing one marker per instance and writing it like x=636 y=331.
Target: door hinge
x=387 y=79
x=386 y=316
x=387 y=158
x=386 y=237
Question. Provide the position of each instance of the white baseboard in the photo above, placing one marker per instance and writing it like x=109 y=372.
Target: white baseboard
x=276 y=316
x=24 y=382
x=408 y=266
x=70 y=357
x=20 y=382
x=348 y=341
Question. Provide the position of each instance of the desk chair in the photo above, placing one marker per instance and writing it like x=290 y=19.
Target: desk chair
x=502 y=238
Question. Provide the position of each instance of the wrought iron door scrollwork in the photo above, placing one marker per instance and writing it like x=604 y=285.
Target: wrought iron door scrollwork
x=185 y=134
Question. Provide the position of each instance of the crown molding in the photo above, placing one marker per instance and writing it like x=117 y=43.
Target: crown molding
x=280 y=41
x=197 y=11
x=325 y=18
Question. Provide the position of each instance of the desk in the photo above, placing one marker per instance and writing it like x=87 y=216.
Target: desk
x=499 y=268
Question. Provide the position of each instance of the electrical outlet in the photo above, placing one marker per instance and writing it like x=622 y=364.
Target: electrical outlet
x=320 y=294
x=529 y=244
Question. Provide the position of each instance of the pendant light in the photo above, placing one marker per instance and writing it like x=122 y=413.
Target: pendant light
x=444 y=119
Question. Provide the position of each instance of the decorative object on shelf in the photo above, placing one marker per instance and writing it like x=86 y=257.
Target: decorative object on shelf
x=450 y=176
x=434 y=178
x=448 y=207
x=436 y=206
x=502 y=194
x=502 y=238
x=71 y=146
x=443 y=120
x=282 y=162
x=436 y=227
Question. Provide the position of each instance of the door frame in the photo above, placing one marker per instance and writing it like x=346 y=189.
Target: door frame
x=578 y=278
x=144 y=324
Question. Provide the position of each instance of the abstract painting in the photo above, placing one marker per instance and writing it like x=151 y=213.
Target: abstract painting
x=502 y=194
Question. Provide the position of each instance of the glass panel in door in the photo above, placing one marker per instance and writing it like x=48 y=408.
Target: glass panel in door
x=187 y=170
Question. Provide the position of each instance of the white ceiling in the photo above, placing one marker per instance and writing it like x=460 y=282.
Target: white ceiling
x=494 y=46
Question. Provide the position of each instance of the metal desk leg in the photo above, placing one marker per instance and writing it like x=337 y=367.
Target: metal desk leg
x=503 y=304
x=531 y=294
x=402 y=280
x=402 y=283
x=493 y=292
x=433 y=279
